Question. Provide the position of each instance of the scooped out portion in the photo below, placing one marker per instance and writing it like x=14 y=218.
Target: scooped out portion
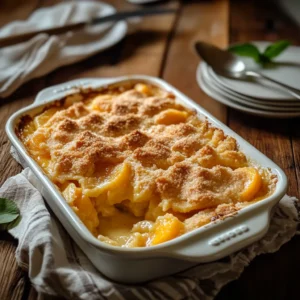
x=137 y=167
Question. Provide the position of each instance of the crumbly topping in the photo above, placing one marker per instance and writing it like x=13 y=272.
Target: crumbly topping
x=63 y=133
x=120 y=125
x=206 y=216
x=154 y=105
x=91 y=121
x=153 y=153
x=121 y=161
x=186 y=186
x=75 y=111
x=81 y=156
x=127 y=103
x=135 y=139
x=188 y=145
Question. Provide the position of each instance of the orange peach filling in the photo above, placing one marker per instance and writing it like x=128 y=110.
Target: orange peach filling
x=137 y=167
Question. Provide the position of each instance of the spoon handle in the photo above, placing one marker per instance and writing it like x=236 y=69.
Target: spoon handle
x=292 y=91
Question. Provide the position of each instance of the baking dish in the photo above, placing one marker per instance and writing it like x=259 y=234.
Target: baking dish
x=208 y=243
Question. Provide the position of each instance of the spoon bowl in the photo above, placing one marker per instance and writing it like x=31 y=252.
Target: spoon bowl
x=223 y=62
x=229 y=65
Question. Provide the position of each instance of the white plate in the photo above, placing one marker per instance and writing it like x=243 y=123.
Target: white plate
x=286 y=71
x=244 y=100
x=211 y=91
x=215 y=80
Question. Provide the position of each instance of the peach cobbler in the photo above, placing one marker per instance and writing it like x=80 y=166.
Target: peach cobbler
x=137 y=167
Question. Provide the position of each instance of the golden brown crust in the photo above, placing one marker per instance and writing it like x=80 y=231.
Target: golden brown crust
x=120 y=125
x=136 y=151
x=77 y=110
x=206 y=216
x=134 y=139
x=81 y=156
x=188 y=145
x=153 y=153
x=153 y=105
x=186 y=186
x=127 y=103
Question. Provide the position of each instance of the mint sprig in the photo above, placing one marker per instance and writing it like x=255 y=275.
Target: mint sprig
x=250 y=50
x=9 y=214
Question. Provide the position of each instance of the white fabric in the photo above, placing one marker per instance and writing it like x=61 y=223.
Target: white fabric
x=42 y=54
x=57 y=266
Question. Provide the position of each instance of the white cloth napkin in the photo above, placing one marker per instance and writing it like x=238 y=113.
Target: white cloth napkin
x=57 y=266
x=42 y=54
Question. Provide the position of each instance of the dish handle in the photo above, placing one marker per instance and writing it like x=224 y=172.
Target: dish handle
x=225 y=239
x=61 y=90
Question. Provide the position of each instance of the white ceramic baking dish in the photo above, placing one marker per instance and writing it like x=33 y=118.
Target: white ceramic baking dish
x=208 y=243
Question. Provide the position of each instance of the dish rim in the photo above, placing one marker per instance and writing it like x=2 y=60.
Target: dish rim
x=163 y=249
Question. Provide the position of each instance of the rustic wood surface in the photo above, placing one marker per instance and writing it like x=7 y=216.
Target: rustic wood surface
x=163 y=46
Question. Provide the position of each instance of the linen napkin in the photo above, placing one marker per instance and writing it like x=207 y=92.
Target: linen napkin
x=57 y=267
x=40 y=55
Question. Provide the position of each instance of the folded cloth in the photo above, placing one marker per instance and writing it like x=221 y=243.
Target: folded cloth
x=40 y=55
x=57 y=267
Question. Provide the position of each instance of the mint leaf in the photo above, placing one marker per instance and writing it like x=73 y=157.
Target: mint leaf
x=9 y=211
x=264 y=58
x=10 y=225
x=275 y=49
x=247 y=50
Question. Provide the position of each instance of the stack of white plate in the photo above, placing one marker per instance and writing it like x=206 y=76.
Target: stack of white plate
x=257 y=97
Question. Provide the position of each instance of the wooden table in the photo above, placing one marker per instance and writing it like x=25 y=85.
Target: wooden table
x=163 y=46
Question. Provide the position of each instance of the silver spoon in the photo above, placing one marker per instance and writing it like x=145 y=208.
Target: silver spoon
x=229 y=65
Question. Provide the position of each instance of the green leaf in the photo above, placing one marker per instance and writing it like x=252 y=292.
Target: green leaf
x=11 y=225
x=264 y=60
x=275 y=49
x=247 y=50
x=9 y=211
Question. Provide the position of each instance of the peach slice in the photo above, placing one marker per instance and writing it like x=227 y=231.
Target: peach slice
x=166 y=228
x=252 y=185
x=82 y=205
x=171 y=116
x=116 y=184
x=101 y=103
x=143 y=88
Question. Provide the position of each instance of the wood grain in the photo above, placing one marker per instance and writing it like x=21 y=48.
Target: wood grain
x=12 y=278
x=198 y=20
x=16 y=10
x=164 y=47
x=140 y=52
x=271 y=276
